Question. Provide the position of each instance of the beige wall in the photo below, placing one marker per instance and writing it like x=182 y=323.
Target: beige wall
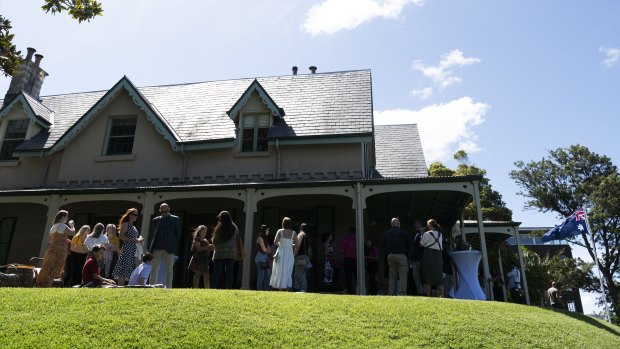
x=154 y=156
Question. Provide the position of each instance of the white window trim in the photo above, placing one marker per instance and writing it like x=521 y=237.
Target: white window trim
x=4 y=124
x=242 y=117
x=106 y=140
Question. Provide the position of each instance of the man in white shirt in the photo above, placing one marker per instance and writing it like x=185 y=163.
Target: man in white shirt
x=140 y=275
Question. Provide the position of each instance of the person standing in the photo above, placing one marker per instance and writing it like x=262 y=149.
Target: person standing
x=432 y=259
x=554 y=296
x=56 y=252
x=90 y=270
x=199 y=263
x=396 y=244
x=262 y=259
x=110 y=255
x=130 y=237
x=349 y=251
x=416 y=258
x=371 y=253
x=225 y=238
x=302 y=259
x=77 y=256
x=514 y=283
x=163 y=242
x=284 y=258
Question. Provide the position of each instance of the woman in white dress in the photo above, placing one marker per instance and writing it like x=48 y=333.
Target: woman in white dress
x=284 y=258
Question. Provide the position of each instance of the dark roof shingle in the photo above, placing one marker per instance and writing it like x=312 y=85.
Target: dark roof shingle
x=398 y=152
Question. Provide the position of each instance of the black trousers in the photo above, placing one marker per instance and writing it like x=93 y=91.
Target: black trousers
x=350 y=274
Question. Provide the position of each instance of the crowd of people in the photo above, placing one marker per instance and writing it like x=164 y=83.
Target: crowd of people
x=415 y=263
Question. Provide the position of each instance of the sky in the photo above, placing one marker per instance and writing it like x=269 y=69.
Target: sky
x=503 y=80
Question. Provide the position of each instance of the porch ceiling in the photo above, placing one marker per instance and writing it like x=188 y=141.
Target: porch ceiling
x=441 y=205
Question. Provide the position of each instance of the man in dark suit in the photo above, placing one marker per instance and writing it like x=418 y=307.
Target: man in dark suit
x=163 y=243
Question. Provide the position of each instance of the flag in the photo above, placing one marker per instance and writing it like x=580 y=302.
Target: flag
x=572 y=226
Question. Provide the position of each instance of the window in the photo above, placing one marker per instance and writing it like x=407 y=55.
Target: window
x=7 y=226
x=15 y=134
x=122 y=132
x=254 y=132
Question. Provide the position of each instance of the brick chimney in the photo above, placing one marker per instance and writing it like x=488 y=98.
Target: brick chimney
x=29 y=77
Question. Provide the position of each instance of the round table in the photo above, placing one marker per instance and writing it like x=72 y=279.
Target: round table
x=467 y=265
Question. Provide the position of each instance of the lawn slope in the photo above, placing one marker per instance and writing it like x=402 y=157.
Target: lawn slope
x=159 y=318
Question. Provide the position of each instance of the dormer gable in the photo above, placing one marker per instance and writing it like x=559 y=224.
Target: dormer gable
x=152 y=114
x=33 y=109
x=255 y=87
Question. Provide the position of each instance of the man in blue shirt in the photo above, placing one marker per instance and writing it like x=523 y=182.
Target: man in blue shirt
x=397 y=243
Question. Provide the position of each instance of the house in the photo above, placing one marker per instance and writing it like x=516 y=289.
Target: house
x=300 y=145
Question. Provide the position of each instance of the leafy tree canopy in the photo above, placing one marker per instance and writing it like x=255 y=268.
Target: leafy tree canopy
x=81 y=10
x=492 y=206
x=571 y=178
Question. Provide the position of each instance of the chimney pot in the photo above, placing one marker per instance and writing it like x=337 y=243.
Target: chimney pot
x=312 y=69
x=37 y=59
x=31 y=51
x=295 y=70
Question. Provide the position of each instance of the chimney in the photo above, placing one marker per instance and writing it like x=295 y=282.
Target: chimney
x=37 y=59
x=28 y=76
x=295 y=70
x=31 y=51
x=312 y=69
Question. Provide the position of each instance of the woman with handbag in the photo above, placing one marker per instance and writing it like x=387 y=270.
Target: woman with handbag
x=284 y=259
x=262 y=260
x=302 y=260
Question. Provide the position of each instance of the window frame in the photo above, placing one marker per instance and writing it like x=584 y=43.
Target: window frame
x=5 y=139
x=108 y=135
x=256 y=116
x=10 y=239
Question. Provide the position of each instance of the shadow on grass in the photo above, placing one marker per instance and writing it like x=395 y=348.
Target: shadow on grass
x=613 y=329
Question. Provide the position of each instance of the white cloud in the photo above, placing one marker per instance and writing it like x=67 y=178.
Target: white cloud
x=423 y=93
x=444 y=128
x=331 y=16
x=443 y=74
x=612 y=56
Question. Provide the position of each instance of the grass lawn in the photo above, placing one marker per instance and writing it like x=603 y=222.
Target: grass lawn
x=159 y=318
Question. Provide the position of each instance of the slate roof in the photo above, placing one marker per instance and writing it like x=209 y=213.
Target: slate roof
x=39 y=109
x=398 y=151
x=323 y=104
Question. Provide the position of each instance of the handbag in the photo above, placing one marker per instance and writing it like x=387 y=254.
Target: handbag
x=301 y=261
x=276 y=256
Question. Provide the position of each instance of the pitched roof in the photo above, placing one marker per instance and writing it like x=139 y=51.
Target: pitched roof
x=36 y=111
x=325 y=104
x=398 y=151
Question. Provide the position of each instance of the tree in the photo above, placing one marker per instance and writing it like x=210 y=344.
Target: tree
x=573 y=178
x=492 y=206
x=81 y=10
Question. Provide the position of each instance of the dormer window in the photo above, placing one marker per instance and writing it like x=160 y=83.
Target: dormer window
x=254 y=130
x=15 y=135
x=121 y=136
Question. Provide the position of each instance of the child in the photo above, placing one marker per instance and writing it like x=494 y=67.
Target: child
x=111 y=249
x=140 y=275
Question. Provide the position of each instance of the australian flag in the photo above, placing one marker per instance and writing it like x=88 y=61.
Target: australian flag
x=572 y=226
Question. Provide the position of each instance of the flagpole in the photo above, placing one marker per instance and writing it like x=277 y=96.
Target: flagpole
x=598 y=266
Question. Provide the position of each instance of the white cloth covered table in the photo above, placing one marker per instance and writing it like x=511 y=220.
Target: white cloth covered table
x=467 y=265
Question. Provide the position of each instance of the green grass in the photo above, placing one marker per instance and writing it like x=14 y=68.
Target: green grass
x=158 y=318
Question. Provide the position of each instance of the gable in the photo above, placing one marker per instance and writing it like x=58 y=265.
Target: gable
x=124 y=85
x=255 y=92
x=32 y=109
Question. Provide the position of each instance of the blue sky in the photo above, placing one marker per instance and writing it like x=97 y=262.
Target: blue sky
x=506 y=80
